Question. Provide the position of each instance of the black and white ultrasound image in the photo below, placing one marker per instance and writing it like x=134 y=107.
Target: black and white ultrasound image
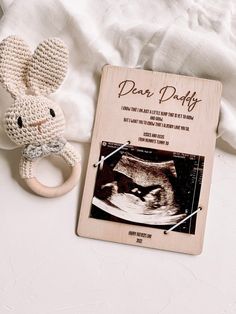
x=147 y=187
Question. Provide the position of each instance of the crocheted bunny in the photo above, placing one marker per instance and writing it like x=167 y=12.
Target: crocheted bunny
x=33 y=121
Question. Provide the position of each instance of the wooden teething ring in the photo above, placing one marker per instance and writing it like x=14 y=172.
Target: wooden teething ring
x=70 y=156
x=46 y=191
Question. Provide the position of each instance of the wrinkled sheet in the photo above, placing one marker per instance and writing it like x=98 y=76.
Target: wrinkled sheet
x=196 y=38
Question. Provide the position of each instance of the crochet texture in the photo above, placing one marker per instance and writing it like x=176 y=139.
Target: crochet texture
x=34 y=121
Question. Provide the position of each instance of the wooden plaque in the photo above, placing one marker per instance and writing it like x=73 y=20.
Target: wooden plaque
x=162 y=128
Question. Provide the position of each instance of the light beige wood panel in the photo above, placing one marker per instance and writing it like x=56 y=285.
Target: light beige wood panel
x=140 y=106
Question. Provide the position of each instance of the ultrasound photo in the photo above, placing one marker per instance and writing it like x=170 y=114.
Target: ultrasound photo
x=147 y=187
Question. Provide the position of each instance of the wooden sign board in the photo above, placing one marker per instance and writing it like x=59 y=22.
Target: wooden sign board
x=160 y=130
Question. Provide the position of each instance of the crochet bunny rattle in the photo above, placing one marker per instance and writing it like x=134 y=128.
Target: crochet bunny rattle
x=33 y=121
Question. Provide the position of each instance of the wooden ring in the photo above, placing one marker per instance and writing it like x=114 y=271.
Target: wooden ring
x=62 y=189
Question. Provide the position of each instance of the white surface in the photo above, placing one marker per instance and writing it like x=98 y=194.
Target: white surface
x=191 y=37
x=46 y=269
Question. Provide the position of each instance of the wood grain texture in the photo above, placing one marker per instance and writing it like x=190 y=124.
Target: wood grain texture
x=197 y=138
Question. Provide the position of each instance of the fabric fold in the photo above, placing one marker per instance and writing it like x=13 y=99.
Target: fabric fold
x=196 y=38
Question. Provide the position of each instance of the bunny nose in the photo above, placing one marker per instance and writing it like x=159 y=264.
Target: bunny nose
x=38 y=124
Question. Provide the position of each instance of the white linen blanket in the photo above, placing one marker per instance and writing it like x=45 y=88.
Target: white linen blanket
x=191 y=37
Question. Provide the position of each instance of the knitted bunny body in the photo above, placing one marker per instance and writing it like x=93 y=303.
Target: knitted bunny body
x=33 y=121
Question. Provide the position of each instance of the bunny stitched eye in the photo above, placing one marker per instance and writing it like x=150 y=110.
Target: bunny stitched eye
x=19 y=122
x=52 y=113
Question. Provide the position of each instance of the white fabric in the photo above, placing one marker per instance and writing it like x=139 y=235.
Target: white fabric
x=191 y=37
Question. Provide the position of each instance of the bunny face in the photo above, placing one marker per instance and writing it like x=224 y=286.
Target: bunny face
x=34 y=120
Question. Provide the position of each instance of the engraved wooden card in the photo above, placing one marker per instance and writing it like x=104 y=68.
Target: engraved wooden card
x=150 y=164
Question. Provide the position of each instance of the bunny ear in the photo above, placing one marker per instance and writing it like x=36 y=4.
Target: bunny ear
x=14 y=59
x=48 y=66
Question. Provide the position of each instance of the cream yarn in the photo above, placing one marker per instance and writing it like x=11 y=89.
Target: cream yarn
x=47 y=67
x=68 y=153
x=30 y=120
x=33 y=121
x=14 y=58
